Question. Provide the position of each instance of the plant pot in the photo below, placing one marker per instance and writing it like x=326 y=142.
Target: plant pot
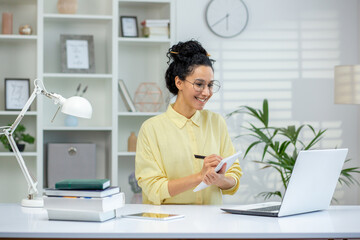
x=20 y=146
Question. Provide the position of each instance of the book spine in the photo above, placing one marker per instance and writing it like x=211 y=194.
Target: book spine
x=130 y=106
x=155 y=23
x=86 y=184
x=85 y=203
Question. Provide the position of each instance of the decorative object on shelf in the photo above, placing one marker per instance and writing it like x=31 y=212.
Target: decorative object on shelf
x=77 y=53
x=17 y=92
x=148 y=97
x=281 y=146
x=76 y=106
x=129 y=27
x=125 y=95
x=226 y=19
x=132 y=142
x=20 y=138
x=137 y=197
x=72 y=121
x=156 y=28
x=7 y=23
x=67 y=6
x=70 y=161
x=25 y=29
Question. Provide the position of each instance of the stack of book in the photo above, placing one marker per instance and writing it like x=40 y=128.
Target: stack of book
x=156 y=28
x=83 y=200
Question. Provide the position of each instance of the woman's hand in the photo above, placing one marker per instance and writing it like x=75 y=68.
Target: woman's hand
x=210 y=162
x=216 y=178
x=210 y=177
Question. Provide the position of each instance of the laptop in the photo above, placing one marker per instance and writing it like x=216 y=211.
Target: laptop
x=311 y=186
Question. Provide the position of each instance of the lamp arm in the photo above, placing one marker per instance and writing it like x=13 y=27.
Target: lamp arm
x=31 y=182
x=9 y=134
x=21 y=115
x=37 y=90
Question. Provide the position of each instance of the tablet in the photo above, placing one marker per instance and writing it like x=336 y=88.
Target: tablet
x=154 y=216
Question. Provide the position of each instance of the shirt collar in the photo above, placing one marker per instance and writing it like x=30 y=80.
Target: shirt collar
x=181 y=120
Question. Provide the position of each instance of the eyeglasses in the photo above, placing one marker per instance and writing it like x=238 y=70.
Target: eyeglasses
x=199 y=85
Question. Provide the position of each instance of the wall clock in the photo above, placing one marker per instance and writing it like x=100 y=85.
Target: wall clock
x=226 y=18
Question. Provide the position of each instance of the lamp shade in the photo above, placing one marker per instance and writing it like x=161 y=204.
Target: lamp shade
x=77 y=106
x=347 y=84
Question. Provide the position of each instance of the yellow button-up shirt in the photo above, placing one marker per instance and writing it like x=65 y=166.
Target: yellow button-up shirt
x=165 y=151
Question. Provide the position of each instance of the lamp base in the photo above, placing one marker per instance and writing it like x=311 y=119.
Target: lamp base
x=33 y=203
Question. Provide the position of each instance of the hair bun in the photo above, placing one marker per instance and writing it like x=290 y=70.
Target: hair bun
x=184 y=51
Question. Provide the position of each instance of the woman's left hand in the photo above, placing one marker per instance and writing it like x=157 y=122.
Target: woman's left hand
x=216 y=178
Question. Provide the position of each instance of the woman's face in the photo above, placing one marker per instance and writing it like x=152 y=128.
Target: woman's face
x=190 y=93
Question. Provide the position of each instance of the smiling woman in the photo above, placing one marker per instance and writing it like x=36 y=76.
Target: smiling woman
x=165 y=166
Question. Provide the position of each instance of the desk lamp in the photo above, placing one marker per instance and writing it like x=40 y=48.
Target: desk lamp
x=347 y=84
x=76 y=106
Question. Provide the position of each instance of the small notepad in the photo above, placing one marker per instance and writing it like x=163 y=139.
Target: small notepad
x=229 y=162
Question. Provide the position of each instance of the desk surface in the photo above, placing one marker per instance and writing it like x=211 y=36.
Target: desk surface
x=199 y=222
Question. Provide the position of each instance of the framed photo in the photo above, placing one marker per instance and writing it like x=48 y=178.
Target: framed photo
x=129 y=27
x=77 y=54
x=17 y=92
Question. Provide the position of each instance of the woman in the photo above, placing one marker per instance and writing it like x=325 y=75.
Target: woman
x=165 y=166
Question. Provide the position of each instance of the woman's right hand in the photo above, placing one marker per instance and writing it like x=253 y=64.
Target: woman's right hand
x=210 y=162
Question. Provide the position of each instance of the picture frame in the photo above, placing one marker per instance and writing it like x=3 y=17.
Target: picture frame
x=77 y=53
x=17 y=92
x=125 y=95
x=129 y=26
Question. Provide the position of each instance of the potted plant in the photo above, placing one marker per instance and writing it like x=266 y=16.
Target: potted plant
x=281 y=145
x=20 y=138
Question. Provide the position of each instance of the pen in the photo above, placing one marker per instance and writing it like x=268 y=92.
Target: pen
x=199 y=156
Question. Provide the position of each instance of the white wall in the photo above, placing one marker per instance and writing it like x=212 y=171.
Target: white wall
x=286 y=54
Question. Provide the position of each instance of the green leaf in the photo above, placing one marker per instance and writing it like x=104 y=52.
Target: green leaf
x=267 y=195
x=251 y=146
x=265 y=116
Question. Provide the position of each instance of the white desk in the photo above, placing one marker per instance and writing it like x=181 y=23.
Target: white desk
x=199 y=222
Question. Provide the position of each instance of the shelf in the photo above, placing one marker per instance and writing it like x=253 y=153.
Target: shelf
x=142 y=3
x=24 y=154
x=77 y=128
x=76 y=75
x=19 y=2
x=17 y=37
x=72 y=17
x=138 y=114
x=143 y=40
x=12 y=113
x=126 y=154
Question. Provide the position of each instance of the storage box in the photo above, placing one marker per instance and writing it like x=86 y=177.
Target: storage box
x=69 y=161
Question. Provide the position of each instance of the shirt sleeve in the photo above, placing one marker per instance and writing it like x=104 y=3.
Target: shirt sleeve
x=149 y=169
x=227 y=149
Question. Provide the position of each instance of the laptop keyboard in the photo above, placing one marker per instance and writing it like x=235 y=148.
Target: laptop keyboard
x=267 y=209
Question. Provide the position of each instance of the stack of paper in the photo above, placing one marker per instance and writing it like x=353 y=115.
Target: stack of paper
x=156 y=28
x=81 y=200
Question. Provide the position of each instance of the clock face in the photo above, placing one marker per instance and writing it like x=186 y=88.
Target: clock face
x=226 y=18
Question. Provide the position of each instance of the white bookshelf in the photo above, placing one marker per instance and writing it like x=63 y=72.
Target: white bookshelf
x=17 y=37
x=134 y=60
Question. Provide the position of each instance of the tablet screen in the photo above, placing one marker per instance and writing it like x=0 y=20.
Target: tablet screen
x=155 y=216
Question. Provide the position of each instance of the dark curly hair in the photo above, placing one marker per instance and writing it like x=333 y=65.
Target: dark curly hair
x=183 y=58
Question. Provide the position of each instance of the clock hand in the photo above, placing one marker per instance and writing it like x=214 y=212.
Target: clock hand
x=226 y=16
x=227 y=22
